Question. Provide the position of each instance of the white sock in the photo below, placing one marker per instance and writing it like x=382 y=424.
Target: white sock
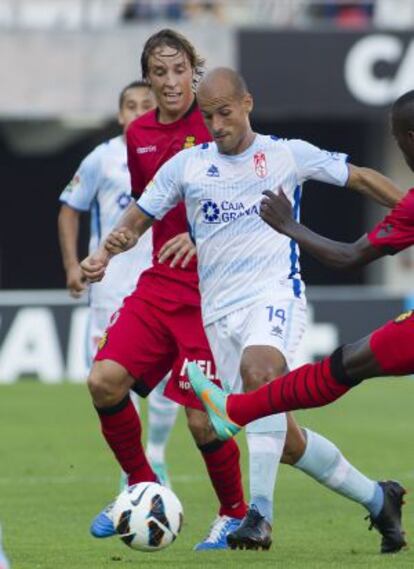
x=265 y=450
x=324 y=462
x=162 y=413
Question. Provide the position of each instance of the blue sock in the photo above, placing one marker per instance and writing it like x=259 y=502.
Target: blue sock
x=375 y=505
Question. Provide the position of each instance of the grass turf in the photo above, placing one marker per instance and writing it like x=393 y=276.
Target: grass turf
x=56 y=473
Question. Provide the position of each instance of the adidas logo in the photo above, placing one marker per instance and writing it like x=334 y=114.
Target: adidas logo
x=213 y=172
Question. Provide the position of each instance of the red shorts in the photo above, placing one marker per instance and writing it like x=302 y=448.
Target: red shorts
x=149 y=341
x=393 y=345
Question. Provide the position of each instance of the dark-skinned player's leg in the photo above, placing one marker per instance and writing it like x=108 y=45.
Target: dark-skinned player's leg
x=387 y=351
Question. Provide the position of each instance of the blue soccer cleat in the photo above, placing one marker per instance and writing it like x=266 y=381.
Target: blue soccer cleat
x=217 y=536
x=214 y=400
x=102 y=525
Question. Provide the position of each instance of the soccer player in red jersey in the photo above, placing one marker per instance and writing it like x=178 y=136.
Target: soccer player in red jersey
x=386 y=351
x=159 y=327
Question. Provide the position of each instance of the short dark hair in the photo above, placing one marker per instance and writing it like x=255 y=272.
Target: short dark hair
x=177 y=41
x=134 y=85
x=403 y=110
x=235 y=79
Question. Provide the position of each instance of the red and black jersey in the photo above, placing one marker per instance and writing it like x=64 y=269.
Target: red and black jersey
x=396 y=231
x=150 y=144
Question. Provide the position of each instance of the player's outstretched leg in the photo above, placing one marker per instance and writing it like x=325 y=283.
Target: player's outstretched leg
x=162 y=414
x=311 y=385
x=325 y=463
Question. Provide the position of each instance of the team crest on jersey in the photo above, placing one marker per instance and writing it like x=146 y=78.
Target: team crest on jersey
x=260 y=165
x=404 y=316
x=189 y=142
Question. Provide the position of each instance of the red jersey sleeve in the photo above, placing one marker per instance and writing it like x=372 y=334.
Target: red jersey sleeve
x=396 y=231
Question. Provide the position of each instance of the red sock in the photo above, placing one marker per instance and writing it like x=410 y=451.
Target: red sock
x=222 y=461
x=312 y=385
x=121 y=428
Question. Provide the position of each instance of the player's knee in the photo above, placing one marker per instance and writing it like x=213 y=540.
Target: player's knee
x=256 y=374
x=104 y=388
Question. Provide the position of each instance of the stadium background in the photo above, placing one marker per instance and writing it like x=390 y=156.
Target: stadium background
x=325 y=71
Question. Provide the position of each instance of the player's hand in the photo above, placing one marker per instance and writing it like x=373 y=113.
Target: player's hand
x=120 y=240
x=180 y=248
x=276 y=210
x=75 y=281
x=94 y=266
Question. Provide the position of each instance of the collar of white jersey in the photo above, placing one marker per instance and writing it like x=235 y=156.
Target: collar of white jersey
x=250 y=150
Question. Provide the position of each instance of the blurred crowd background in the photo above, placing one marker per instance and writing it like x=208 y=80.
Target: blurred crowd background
x=70 y=14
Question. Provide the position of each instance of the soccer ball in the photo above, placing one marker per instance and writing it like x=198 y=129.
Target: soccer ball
x=147 y=516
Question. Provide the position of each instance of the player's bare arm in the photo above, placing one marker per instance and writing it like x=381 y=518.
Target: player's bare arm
x=276 y=211
x=68 y=229
x=374 y=185
x=180 y=248
x=125 y=235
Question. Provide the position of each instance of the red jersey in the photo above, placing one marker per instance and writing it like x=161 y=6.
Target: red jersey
x=150 y=144
x=396 y=231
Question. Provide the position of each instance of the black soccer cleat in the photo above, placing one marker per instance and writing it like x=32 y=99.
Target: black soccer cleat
x=388 y=521
x=254 y=532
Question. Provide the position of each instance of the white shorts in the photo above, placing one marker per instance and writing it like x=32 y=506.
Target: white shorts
x=278 y=321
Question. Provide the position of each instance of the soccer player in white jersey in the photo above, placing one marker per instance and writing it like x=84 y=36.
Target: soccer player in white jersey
x=102 y=187
x=253 y=303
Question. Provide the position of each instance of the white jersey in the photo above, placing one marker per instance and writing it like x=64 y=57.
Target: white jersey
x=240 y=258
x=102 y=186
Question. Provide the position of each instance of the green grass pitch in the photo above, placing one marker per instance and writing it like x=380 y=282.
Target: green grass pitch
x=56 y=473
